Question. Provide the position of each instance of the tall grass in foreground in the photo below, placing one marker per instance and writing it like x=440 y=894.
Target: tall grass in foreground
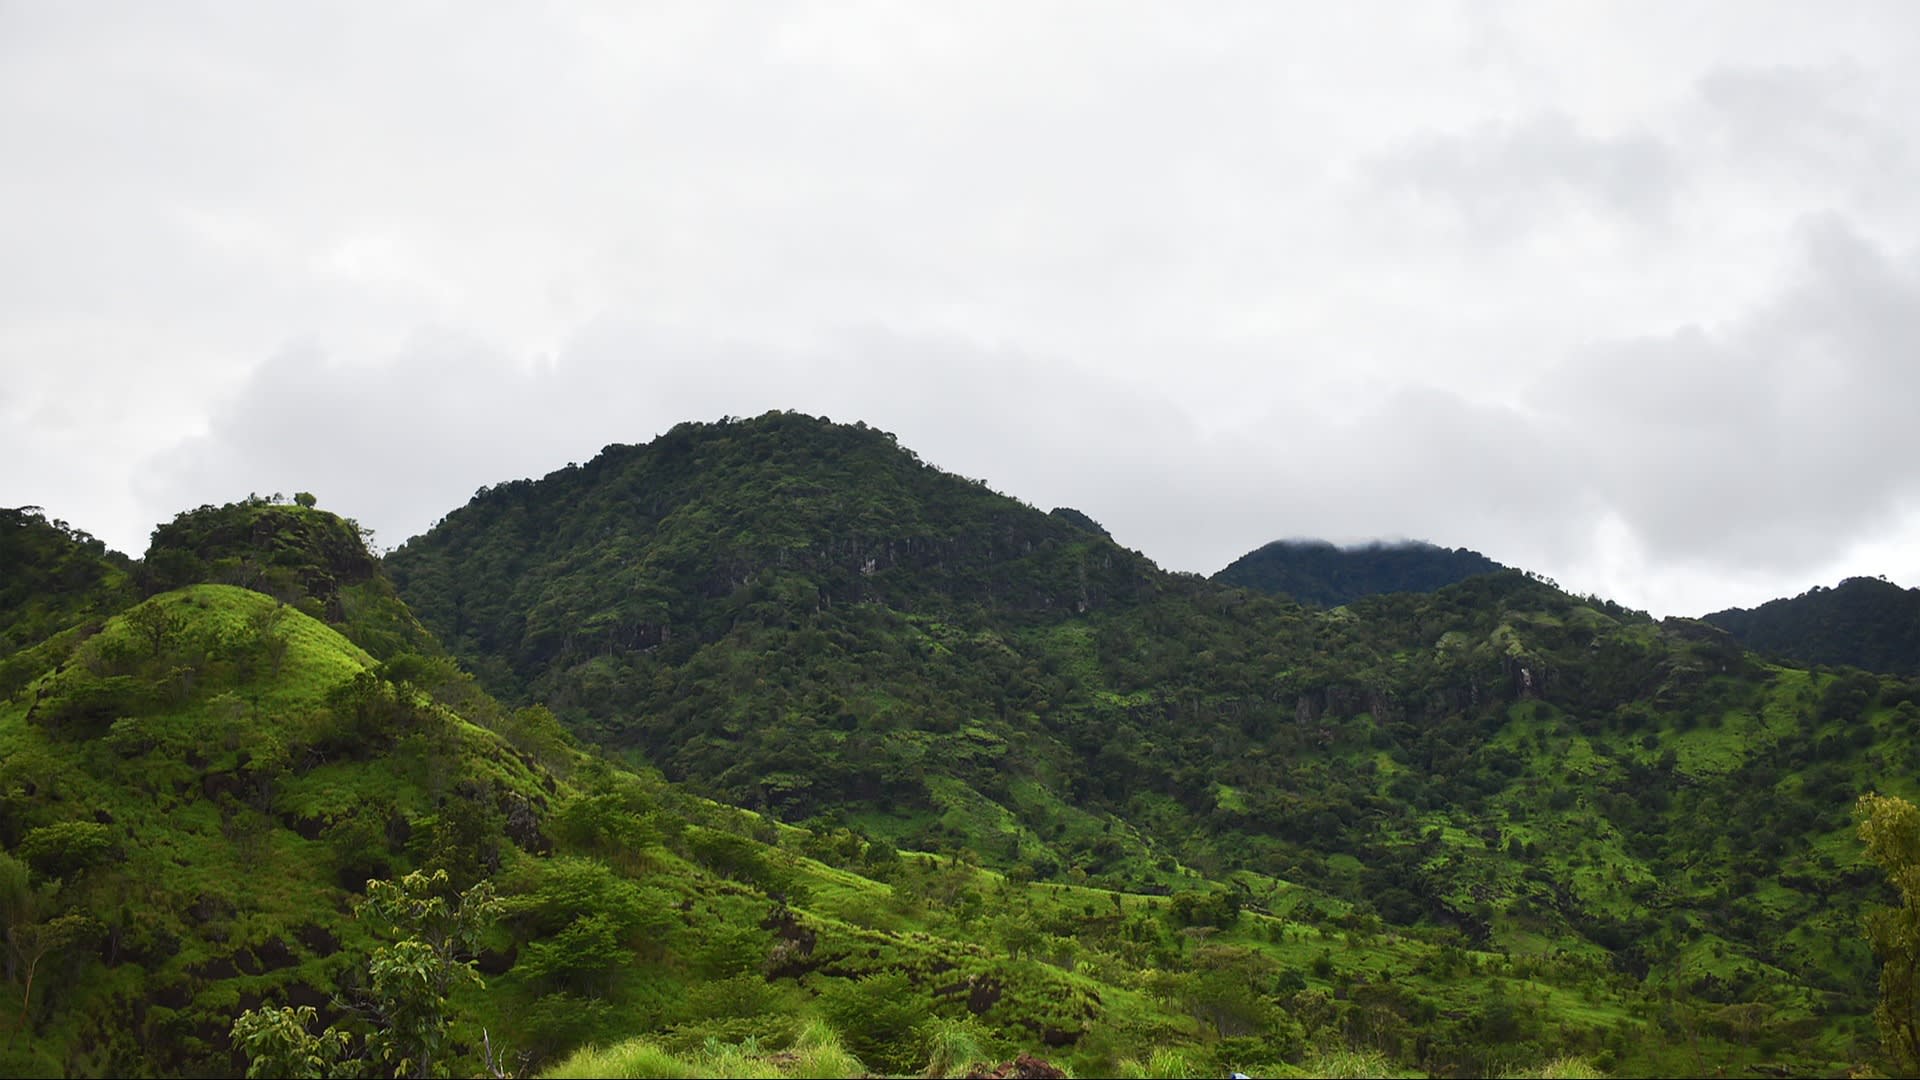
x=1345 y=1063
x=1164 y=1063
x=1563 y=1068
x=952 y=1046
x=816 y=1052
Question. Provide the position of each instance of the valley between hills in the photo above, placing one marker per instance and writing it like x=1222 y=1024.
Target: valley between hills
x=767 y=748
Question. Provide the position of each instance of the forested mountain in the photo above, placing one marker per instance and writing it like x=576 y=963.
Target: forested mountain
x=898 y=774
x=804 y=618
x=1862 y=622
x=1317 y=572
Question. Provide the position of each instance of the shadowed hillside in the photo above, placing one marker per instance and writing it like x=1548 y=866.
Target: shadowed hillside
x=1862 y=622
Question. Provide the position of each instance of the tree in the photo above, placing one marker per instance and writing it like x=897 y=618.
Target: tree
x=153 y=624
x=66 y=848
x=403 y=1010
x=31 y=934
x=1890 y=827
x=281 y=1042
x=410 y=981
x=305 y=498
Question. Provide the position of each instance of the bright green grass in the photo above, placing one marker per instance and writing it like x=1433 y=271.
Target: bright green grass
x=817 y=1052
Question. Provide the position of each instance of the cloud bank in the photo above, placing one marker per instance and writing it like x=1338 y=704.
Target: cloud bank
x=1627 y=303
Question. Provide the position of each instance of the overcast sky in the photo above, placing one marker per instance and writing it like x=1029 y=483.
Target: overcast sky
x=1628 y=294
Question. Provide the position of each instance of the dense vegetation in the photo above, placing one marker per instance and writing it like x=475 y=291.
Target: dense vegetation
x=56 y=578
x=1862 y=622
x=898 y=774
x=928 y=663
x=1316 y=572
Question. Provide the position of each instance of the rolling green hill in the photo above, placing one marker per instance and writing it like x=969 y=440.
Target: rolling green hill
x=1316 y=572
x=1862 y=622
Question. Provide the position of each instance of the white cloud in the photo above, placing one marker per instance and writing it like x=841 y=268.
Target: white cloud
x=1507 y=179
x=1586 y=289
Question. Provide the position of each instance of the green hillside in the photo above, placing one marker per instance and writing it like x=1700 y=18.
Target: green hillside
x=1862 y=622
x=897 y=775
x=1317 y=572
x=196 y=792
x=165 y=759
x=803 y=618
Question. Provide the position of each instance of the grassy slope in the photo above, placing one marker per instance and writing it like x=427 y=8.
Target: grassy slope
x=220 y=888
x=220 y=895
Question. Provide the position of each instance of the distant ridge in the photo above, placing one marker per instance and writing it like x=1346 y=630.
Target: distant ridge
x=1318 y=572
x=1864 y=622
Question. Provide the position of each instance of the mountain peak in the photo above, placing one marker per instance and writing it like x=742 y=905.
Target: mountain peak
x=674 y=542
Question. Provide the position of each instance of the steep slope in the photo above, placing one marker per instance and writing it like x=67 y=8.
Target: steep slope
x=1862 y=622
x=1317 y=572
x=190 y=802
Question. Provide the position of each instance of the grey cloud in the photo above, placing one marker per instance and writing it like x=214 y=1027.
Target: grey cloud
x=397 y=445
x=1757 y=443
x=1748 y=446
x=1508 y=178
x=1214 y=281
x=1820 y=120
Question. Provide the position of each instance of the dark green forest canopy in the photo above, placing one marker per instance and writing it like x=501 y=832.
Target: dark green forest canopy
x=54 y=574
x=56 y=578
x=663 y=546
x=1862 y=622
x=1317 y=572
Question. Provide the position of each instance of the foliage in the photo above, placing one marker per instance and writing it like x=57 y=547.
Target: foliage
x=281 y=1042
x=411 y=980
x=402 y=1011
x=57 y=579
x=1890 y=828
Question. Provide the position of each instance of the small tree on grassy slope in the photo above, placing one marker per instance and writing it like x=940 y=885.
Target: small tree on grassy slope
x=404 y=1006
